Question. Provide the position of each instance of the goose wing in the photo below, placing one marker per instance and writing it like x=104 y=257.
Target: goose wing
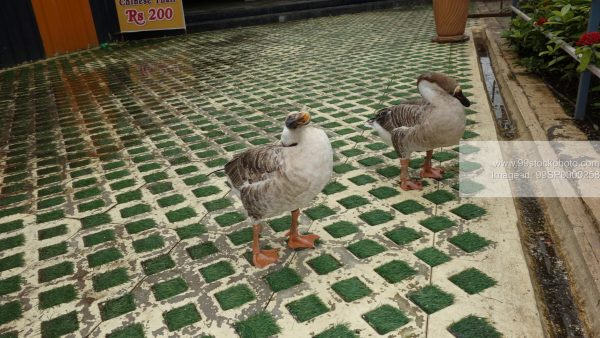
x=402 y=115
x=255 y=165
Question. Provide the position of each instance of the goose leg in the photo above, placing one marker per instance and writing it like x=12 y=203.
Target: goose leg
x=428 y=171
x=406 y=183
x=297 y=241
x=261 y=258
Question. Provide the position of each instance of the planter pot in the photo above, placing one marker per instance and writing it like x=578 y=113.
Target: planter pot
x=450 y=20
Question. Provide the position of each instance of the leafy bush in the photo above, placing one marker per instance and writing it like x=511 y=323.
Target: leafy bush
x=567 y=21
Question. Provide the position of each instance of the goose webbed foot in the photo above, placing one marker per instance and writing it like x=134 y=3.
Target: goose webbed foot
x=263 y=258
x=302 y=241
x=409 y=184
x=431 y=173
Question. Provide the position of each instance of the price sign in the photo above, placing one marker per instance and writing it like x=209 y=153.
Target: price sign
x=150 y=15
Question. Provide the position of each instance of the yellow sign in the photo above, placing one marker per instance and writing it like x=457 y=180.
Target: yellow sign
x=150 y=15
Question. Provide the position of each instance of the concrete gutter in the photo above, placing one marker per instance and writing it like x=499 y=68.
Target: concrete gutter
x=573 y=221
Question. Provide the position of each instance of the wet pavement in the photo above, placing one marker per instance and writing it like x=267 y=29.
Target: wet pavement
x=114 y=222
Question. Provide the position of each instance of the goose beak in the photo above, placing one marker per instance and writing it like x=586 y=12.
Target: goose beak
x=296 y=120
x=465 y=102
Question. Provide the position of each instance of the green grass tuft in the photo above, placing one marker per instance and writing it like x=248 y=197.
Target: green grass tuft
x=395 y=271
x=180 y=214
x=104 y=256
x=99 y=237
x=472 y=281
x=365 y=248
x=169 y=288
x=385 y=319
x=12 y=242
x=182 y=316
x=10 y=311
x=60 y=325
x=403 y=235
x=129 y=331
x=229 y=218
x=324 y=264
x=351 y=289
x=52 y=251
x=408 y=207
x=190 y=231
x=235 y=296
x=217 y=271
x=241 y=236
x=60 y=295
x=341 y=229
x=117 y=306
x=283 y=279
x=55 y=271
x=10 y=285
x=468 y=211
x=260 y=325
x=473 y=327
x=11 y=262
x=158 y=264
x=439 y=196
x=431 y=298
x=318 y=212
x=307 y=308
x=437 y=223
x=432 y=256
x=109 y=279
x=353 y=201
x=139 y=226
x=334 y=187
x=376 y=217
x=469 y=241
x=202 y=250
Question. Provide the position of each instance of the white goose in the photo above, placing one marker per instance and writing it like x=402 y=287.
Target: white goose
x=438 y=120
x=286 y=177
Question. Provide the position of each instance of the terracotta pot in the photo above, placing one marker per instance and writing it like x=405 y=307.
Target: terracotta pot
x=450 y=20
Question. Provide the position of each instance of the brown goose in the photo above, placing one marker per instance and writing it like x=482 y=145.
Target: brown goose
x=437 y=120
x=279 y=178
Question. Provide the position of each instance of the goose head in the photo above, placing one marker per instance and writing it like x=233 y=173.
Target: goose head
x=444 y=83
x=294 y=127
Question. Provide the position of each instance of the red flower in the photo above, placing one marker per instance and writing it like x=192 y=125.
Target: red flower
x=588 y=39
x=541 y=21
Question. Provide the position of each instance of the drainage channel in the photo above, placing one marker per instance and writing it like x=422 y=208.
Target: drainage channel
x=551 y=279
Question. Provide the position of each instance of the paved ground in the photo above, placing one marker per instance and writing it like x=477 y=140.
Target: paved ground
x=111 y=225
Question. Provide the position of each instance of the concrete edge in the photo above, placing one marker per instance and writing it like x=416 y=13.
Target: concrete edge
x=574 y=221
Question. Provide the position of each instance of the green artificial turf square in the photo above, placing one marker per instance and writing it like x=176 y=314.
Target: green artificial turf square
x=393 y=155
x=91 y=205
x=169 y=288
x=160 y=187
x=180 y=214
x=283 y=279
x=395 y=271
x=343 y=168
x=281 y=223
x=16 y=225
x=104 y=256
x=235 y=296
x=467 y=186
x=95 y=220
x=190 y=231
x=324 y=264
x=468 y=211
x=202 y=250
x=182 y=316
x=10 y=311
x=444 y=156
x=260 y=325
x=55 y=271
x=195 y=180
x=307 y=308
x=186 y=170
x=117 y=306
x=11 y=242
x=11 y=262
x=365 y=248
x=155 y=177
x=341 y=229
x=56 y=296
x=125 y=197
x=353 y=201
x=338 y=331
x=122 y=184
x=431 y=298
x=351 y=289
x=469 y=134
x=10 y=334
x=473 y=327
x=385 y=319
x=217 y=204
x=109 y=279
x=408 y=207
x=60 y=325
x=84 y=182
x=139 y=226
x=334 y=187
x=54 y=190
x=10 y=285
x=149 y=243
x=376 y=217
x=50 y=202
x=158 y=264
x=206 y=191
x=135 y=210
x=437 y=223
x=52 y=251
x=377 y=146
x=371 y=161
x=432 y=256
x=318 y=212
x=384 y=192
x=229 y=218
x=403 y=235
x=217 y=271
x=362 y=179
x=50 y=216
x=99 y=237
x=241 y=236
x=117 y=174
x=352 y=152
x=129 y=331
x=170 y=200
x=469 y=241
x=472 y=281
x=439 y=196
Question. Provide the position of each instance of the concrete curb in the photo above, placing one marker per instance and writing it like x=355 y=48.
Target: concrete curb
x=574 y=221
